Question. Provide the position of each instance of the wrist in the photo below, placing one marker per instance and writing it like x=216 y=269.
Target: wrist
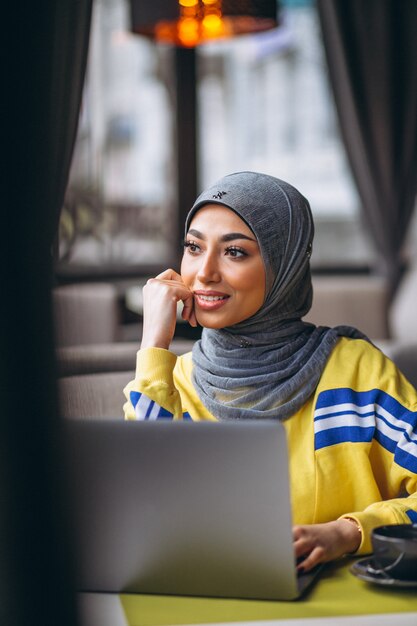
x=352 y=532
x=154 y=343
x=151 y=338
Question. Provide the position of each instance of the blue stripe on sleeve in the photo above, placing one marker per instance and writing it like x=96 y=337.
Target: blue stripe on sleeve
x=336 y=412
x=150 y=407
x=412 y=515
x=134 y=397
x=406 y=460
x=332 y=436
x=147 y=409
x=367 y=415
x=333 y=397
x=386 y=442
x=164 y=413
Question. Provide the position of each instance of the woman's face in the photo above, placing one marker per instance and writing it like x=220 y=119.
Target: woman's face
x=223 y=267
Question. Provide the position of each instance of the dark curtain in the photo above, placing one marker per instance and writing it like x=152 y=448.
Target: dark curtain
x=371 y=50
x=48 y=43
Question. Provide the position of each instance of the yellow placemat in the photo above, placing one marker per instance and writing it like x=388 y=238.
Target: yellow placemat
x=337 y=592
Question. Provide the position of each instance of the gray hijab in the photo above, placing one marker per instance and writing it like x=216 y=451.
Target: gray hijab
x=266 y=366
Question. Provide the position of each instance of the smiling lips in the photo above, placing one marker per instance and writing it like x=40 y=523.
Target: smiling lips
x=210 y=300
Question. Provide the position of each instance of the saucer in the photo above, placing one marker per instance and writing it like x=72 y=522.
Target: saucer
x=360 y=569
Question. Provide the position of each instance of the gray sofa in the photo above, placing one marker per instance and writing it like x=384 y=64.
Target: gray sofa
x=93 y=396
x=92 y=377
x=85 y=313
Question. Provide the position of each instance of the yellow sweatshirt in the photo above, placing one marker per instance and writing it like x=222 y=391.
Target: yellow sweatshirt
x=352 y=446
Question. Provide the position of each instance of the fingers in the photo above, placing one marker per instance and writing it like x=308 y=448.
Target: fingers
x=319 y=543
x=188 y=311
x=160 y=297
x=316 y=556
x=303 y=540
x=316 y=543
x=170 y=286
x=303 y=547
x=168 y=274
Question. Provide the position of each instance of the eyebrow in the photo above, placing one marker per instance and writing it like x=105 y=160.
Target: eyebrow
x=223 y=238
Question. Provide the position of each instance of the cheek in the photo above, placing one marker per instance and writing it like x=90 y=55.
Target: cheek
x=253 y=284
x=255 y=298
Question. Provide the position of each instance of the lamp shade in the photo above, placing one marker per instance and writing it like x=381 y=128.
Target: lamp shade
x=188 y=23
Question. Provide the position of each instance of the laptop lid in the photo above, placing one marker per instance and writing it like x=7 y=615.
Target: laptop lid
x=182 y=508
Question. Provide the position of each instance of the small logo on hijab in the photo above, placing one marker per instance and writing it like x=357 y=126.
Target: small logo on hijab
x=219 y=195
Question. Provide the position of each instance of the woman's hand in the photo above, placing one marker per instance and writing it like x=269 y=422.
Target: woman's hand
x=319 y=543
x=160 y=297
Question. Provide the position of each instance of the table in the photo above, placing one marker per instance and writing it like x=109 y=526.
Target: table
x=337 y=599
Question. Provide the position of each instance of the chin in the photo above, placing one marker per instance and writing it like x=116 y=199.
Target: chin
x=213 y=325
x=209 y=321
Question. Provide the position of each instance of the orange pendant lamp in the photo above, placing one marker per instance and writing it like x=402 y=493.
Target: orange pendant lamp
x=188 y=23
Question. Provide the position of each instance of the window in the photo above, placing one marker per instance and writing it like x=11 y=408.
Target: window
x=119 y=207
x=264 y=104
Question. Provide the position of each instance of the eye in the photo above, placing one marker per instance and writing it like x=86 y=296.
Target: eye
x=235 y=252
x=192 y=247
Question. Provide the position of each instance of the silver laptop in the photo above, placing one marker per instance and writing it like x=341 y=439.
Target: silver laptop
x=183 y=508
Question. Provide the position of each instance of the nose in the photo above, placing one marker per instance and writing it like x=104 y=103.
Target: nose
x=208 y=271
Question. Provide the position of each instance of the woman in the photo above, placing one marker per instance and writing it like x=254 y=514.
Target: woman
x=349 y=414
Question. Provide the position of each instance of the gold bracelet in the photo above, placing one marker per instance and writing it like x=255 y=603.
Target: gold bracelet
x=353 y=521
